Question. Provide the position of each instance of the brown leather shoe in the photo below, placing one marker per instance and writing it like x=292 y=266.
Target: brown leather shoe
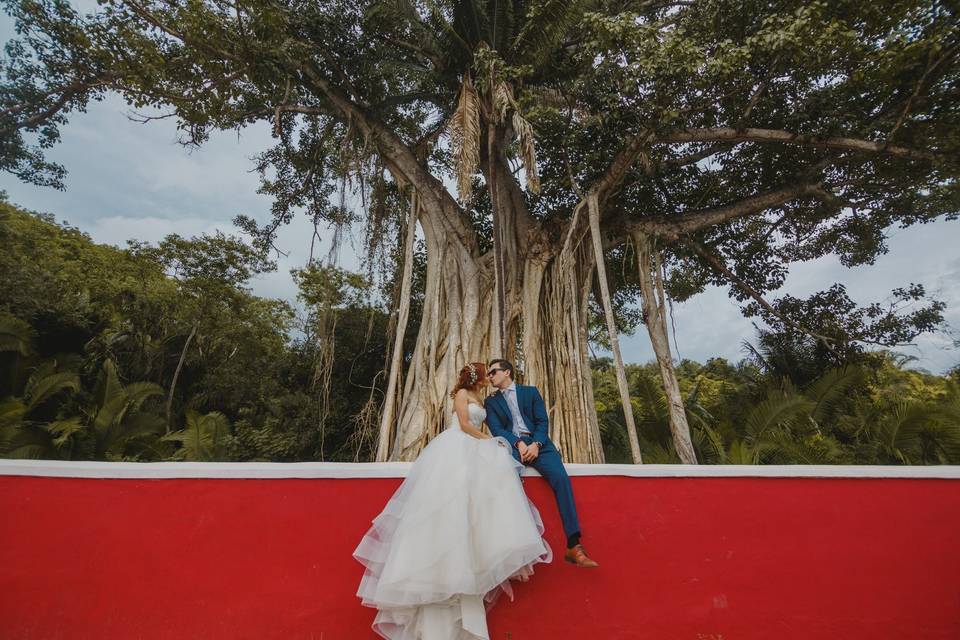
x=577 y=556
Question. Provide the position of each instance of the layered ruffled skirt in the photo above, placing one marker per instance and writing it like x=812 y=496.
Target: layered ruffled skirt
x=449 y=541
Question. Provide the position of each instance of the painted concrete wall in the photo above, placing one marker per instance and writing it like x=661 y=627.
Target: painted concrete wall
x=705 y=553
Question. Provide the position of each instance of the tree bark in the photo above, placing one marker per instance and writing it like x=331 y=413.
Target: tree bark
x=497 y=211
x=544 y=300
x=176 y=374
x=654 y=312
x=393 y=399
x=594 y=210
x=454 y=330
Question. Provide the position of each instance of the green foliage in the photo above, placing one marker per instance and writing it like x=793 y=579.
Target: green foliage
x=872 y=413
x=203 y=439
x=100 y=394
x=87 y=353
x=345 y=84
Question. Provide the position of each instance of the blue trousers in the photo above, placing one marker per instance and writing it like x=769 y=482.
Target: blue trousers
x=550 y=465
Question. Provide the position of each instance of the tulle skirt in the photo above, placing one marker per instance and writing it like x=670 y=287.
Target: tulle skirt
x=449 y=541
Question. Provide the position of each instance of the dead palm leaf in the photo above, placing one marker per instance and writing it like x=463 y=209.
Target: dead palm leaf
x=465 y=138
x=527 y=152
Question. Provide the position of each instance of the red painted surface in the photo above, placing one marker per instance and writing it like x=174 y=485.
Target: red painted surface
x=697 y=558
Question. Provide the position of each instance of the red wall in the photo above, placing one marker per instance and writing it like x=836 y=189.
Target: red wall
x=692 y=558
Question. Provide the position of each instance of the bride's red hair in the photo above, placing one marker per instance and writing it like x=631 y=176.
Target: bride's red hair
x=470 y=377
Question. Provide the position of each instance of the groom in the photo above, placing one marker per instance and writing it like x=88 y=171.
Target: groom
x=517 y=413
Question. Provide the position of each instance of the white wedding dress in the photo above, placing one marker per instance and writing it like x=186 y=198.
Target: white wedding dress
x=450 y=539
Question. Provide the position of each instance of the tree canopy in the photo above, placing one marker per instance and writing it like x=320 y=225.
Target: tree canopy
x=718 y=141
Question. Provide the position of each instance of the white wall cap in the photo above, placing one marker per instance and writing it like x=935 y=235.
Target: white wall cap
x=253 y=470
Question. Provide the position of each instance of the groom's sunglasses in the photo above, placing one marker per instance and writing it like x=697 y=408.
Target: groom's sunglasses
x=492 y=372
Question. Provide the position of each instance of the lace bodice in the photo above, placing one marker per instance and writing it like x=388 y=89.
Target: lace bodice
x=477 y=415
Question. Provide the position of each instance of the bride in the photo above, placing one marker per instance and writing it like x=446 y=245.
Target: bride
x=454 y=534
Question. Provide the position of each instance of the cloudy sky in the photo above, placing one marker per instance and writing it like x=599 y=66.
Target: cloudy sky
x=129 y=180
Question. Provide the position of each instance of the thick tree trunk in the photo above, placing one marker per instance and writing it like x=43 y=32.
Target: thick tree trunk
x=594 y=210
x=544 y=300
x=555 y=356
x=455 y=329
x=655 y=314
x=546 y=307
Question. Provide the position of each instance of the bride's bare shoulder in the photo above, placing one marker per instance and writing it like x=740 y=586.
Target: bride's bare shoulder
x=471 y=397
x=462 y=395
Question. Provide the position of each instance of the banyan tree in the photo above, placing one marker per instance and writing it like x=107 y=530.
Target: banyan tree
x=560 y=160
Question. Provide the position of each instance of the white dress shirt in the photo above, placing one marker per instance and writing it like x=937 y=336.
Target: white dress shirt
x=519 y=426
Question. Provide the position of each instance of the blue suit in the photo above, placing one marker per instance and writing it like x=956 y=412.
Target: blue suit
x=549 y=462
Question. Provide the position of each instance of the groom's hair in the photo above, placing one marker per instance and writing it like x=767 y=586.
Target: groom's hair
x=503 y=364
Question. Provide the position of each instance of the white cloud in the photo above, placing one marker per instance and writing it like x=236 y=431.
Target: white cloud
x=116 y=230
x=711 y=324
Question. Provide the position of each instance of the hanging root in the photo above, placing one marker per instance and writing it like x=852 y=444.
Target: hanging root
x=323 y=369
x=364 y=424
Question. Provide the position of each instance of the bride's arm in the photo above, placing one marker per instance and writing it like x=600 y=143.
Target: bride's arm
x=463 y=415
x=501 y=441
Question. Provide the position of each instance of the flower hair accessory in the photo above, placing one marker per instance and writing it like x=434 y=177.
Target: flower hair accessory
x=473 y=374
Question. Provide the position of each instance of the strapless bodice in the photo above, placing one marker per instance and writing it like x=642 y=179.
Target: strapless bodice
x=477 y=415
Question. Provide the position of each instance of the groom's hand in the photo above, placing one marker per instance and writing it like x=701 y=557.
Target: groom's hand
x=522 y=447
x=530 y=452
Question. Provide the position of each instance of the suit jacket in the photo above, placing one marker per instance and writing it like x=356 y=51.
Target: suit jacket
x=532 y=410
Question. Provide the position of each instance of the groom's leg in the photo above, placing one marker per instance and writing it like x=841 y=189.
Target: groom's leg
x=550 y=465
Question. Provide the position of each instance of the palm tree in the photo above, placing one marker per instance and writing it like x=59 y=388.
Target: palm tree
x=918 y=433
x=121 y=429
x=787 y=427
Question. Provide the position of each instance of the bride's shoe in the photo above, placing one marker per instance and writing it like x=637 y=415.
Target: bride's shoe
x=577 y=556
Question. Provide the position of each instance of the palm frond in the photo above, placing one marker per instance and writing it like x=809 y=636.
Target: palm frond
x=202 y=437
x=12 y=411
x=758 y=358
x=900 y=431
x=503 y=100
x=740 y=452
x=709 y=445
x=528 y=153
x=471 y=22
x=777 y=410
x=108 y=384
x=659 y=454
x=544 y=27
x=781 y=446
x=11 y=419
x=502 y=23
x=832 y=388
x=44 y=383
x=16 y=335
x=64 y=429
x=464 y=131
x=136 y=394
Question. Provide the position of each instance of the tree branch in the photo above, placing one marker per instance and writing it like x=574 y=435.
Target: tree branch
x=398 y=157
x=919 y=88
x=613 y=176
x=432 y=56
x=753 y=293
x=672 y=228
x=70 y=91
x=142 y=11
x=725 y=134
